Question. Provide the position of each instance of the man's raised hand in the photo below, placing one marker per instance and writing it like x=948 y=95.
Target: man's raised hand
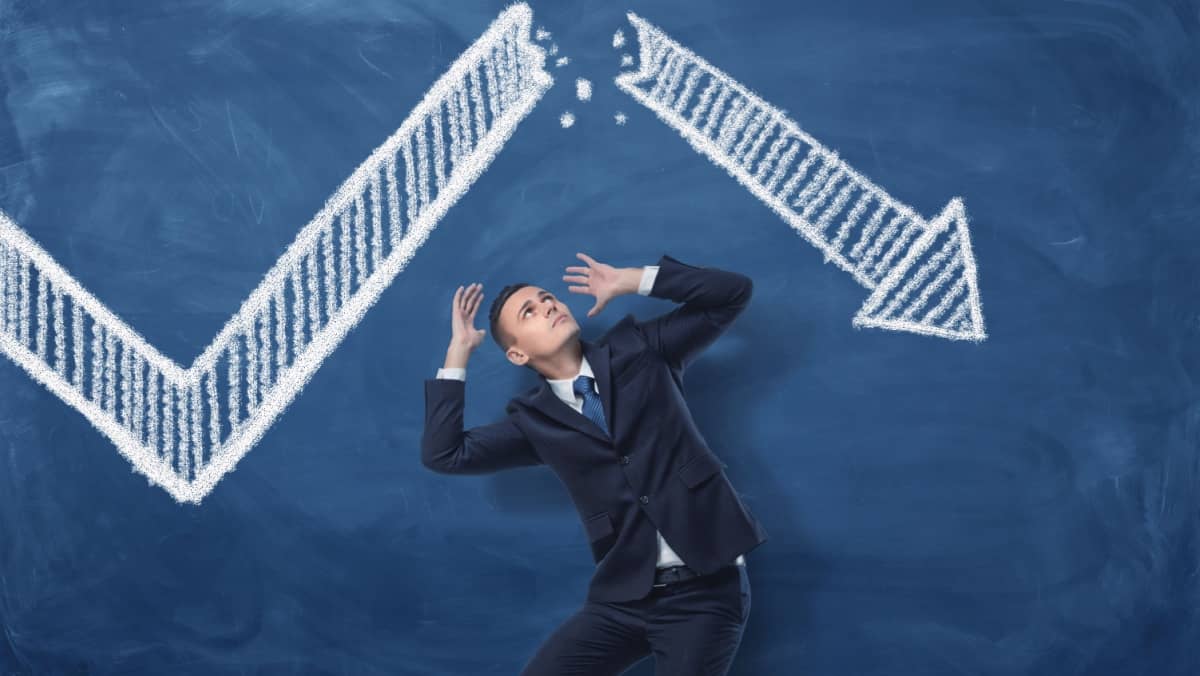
x=462 y=317
x=602 y=281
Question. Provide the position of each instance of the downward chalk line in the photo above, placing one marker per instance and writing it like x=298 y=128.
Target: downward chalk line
x=184 y=429
x=921 y=273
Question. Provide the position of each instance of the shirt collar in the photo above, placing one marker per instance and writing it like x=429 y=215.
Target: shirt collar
x=565 y=387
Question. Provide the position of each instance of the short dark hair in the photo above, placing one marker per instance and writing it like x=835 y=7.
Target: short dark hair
x=502 y=338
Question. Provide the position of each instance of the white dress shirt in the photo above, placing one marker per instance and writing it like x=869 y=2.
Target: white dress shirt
x=565 y=390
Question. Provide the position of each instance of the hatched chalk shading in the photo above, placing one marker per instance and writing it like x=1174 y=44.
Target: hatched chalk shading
x=921 y=273
x=185 y=428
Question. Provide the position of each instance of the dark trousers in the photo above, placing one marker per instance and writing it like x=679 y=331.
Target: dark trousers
x=692 y=628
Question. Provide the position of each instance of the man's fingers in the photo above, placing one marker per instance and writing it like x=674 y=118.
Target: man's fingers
x=577 y=268
x=575 y=278
x=468 y=295
x=577 y=289
x=588 y=259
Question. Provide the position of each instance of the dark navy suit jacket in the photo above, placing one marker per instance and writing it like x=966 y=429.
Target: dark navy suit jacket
x=656 y=470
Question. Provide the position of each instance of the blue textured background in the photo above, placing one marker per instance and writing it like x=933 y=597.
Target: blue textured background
x=1027 y=505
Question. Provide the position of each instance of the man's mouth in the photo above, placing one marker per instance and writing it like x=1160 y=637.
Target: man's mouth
x=559 y=318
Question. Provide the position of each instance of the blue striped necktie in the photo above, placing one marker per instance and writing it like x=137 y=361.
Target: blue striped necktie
x=591 y=402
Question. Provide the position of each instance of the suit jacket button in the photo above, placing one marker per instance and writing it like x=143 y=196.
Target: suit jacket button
x=624 y=459
x=644 y=499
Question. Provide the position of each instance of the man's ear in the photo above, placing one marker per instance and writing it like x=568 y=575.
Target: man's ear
x=516 y=356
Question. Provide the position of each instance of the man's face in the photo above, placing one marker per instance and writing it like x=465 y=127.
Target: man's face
x=538 y=322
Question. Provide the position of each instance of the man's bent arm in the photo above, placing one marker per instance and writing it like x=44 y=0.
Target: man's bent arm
x=711 y=299
x=447 y=449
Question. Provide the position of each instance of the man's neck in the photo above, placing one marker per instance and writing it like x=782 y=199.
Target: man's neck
x=565 y=364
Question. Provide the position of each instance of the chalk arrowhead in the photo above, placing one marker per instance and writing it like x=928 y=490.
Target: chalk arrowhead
x=856 y=224
x=933 y=290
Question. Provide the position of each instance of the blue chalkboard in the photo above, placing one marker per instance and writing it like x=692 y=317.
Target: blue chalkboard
x=1011 y=489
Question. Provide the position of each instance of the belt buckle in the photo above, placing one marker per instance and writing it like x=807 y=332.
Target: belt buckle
x=664 y=584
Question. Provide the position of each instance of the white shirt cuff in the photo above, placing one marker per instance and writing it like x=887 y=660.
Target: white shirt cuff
x=649 y=272
x=452 y=374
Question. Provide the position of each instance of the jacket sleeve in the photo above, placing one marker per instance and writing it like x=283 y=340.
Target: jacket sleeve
x=711 y=299
x=447 y=449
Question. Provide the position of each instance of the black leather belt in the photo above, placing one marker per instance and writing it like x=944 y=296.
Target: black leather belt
x=673 y=574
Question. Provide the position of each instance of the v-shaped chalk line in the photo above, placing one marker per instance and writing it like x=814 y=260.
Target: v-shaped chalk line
x=186 y=428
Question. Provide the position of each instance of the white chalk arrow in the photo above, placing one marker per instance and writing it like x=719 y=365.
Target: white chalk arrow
x=921 y=273
x=186 y=428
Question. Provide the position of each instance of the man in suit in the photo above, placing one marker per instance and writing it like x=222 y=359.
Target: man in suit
x=666 y=528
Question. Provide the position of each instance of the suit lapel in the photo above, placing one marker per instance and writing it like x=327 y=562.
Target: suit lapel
x=544 y=399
